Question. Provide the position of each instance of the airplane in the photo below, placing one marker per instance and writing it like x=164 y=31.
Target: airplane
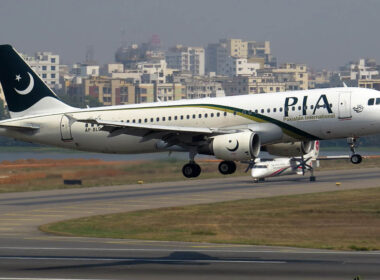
x=233 y=128
x=273 y=167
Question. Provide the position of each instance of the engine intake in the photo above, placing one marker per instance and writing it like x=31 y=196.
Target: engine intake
x=293 y=149
x=236 y=146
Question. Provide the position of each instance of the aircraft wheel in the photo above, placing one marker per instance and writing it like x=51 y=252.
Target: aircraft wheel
x=191 y=170
x=312 y=178
x=356 y=158
x=227 y=167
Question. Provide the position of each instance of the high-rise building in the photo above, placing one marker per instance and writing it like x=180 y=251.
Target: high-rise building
x=191 y=59
x=46 y=65
x=218 y=54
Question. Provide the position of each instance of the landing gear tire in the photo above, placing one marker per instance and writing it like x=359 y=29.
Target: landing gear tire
x=227 y=167
x=356 y=159
x=312 y=178
x=191 y=170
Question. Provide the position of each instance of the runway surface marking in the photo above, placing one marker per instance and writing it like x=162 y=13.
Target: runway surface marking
x=40 y=278
x=281 y=250
x=148 y=260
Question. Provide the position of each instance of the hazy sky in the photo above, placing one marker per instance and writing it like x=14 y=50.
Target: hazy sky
x=320 y=33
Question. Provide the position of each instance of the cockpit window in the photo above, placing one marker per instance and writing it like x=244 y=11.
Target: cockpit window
x=371 y=101
x=377 y=101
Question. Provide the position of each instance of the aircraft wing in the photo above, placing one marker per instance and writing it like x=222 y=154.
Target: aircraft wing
x=333 y=157
x=112 y=126
x=172 y=135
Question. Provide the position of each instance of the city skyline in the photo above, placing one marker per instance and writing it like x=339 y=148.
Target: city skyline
x=323 y=34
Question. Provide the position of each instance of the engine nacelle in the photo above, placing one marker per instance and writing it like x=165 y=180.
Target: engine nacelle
x=236 y=146
x=293 y=149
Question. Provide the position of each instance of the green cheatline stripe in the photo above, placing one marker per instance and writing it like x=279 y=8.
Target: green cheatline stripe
x=286 y=128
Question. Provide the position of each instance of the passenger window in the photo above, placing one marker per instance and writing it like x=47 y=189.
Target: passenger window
x=256 y=111
x=268 y=110
x=218 y=114
x=212 y=115
x=181 y=117
x=312 y=107
x=158 y=119
x=377 y=101
x=133 y=121
x=274 y=110
x=280 y=109
x=299 y=108
x=234 y=113
x=205 y=115
x=200 y=116
x=262 y=111
x=193 y=116
x=371 y=101
x=187 y=116
x=139 y=120
x=146 y=120
x=163 y=118
x=169 y=118
x=151 y=119
x=225 y=114
x=175 y=118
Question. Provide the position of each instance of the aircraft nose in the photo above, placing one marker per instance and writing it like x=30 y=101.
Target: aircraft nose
x=257 y=173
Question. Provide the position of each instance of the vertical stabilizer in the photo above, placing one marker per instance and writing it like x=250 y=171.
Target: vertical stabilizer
x=25 y=92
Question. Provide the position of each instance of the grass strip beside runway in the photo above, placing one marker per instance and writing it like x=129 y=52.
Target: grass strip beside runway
x=344 y=220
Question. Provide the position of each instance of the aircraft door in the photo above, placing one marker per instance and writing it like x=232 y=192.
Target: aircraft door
x=66 y=129
x=344 y=105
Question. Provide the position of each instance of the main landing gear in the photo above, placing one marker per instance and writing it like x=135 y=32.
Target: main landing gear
x=227 y=167
x=192 y=170
x=353 y=143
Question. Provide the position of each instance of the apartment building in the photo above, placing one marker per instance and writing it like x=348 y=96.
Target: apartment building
x=109 y=91
x=191 y=59
x=373 y=83
x=292 y=72
x=218 y=53
x=240 y=85
x=235 y=66
x=46 y=65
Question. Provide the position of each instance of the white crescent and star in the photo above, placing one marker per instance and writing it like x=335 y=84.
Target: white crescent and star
x=234 y=148
x=29 y=88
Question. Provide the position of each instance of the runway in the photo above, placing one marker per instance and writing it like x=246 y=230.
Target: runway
x=27 y=253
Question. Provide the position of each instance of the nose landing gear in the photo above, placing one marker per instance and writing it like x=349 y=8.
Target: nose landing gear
x=353 y=143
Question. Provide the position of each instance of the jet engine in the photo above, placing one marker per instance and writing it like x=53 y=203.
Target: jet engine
x=292 y=149
x=234 y=146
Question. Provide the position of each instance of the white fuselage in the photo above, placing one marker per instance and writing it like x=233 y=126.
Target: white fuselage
x=275 y=167
x=308 y=118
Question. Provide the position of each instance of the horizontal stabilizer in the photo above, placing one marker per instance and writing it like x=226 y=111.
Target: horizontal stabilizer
x=29 y=127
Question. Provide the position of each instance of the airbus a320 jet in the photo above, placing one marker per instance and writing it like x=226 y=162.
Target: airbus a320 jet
x=230 y=128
